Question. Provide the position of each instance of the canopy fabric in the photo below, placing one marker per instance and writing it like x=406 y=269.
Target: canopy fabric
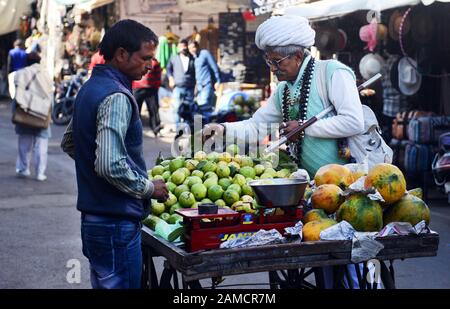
x=326 y=9
x=88 y=6
x=211 y=6
x=85 y=5
x=10 y=14
x=70 y=2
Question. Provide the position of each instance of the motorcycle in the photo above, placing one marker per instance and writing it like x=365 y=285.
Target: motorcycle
x=65 y=95
x=441 y=164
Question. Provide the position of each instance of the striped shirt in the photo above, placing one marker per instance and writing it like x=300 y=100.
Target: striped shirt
x=113 y=118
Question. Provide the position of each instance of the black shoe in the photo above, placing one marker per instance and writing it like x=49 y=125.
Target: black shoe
x=157 y=130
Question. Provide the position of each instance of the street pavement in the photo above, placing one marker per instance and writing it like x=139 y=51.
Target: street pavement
x=40 y=226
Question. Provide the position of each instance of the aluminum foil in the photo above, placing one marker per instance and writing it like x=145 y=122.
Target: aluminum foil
x=364 y=245
x=296 y=230
x=358 y=187
x=341 y=231
x=404 y=228
x=260 y=238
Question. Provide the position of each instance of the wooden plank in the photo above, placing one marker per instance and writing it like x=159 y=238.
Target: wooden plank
x=262 y=266
x=221 y=262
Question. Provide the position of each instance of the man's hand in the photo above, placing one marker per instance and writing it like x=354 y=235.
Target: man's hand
x=287 y=127
x=216 y=86
x=171 y=82
x=160 y=191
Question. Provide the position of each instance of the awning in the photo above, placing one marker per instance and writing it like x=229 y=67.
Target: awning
x=85 y=5
x=211 y=6
x=92 y=4
x=326 y=9
x=11 y=12
x=70 y=2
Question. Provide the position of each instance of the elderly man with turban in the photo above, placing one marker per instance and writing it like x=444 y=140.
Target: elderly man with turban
x=285 y=41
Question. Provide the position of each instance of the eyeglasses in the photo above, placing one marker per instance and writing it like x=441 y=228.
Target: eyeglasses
x=275 y=63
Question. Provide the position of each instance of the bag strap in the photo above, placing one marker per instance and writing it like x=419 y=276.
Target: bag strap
x=322 y=86
x=31 y=80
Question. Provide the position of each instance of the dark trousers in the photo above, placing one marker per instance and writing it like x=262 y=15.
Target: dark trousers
x=386 y=128
x=150 y=96
x=113 y=248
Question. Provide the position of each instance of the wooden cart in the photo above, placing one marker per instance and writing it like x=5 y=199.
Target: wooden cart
x=288 y=264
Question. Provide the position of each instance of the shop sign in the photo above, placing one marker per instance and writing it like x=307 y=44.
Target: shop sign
x=261 y=7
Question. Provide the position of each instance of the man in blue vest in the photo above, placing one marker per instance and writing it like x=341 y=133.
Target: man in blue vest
x=17 y=59
x=105 y=140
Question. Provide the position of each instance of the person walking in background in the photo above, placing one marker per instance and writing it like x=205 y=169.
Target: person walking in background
x=393 y=100
x=95 y=59
x=32 y=141
x=207 y=75
x=181 y=74
x=105 y=140
x=146 y=90
x=17 y=59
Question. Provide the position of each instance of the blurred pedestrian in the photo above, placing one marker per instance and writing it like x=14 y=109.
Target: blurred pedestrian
x=207 y=75
x=146 y=90
x=17 y=59
x=95 y=59
x=34 y=90
x=181 y=74
x=393 y=100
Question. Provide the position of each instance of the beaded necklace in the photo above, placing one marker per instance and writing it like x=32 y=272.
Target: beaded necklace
x=301 y=97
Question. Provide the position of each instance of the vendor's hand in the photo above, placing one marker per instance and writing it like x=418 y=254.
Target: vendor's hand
x=160 y=191
x=367 y=92
x=211 y=130
x=287 y=127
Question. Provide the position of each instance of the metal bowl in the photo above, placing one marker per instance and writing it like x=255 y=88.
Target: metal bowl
x=278 y=192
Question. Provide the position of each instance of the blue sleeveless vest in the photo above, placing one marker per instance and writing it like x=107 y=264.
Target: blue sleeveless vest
x=95 y=194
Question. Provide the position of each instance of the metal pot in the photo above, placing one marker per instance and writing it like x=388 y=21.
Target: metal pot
x=278 y=192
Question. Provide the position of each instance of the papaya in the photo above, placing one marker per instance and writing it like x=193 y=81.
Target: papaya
x=388 y=180
x=335 y=174
x=408 y=209
x=312 y=229
x=417 y=192
x=308 y=193
x=314 y=215
x=327 y=197
x=364 y=214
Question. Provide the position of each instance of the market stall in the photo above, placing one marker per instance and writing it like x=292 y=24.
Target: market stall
x=226 y=218
x=294 y=261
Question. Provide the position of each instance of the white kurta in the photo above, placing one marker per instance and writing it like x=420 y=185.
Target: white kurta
x=343 y=93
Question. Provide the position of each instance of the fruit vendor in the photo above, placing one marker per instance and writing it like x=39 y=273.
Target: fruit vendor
x=105 y=140
x=285 y=41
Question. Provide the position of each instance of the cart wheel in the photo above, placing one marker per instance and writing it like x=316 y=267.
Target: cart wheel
x=291 y=279
x=387 y=277
x=383 y=275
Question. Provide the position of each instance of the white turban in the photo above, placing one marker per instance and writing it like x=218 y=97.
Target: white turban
x=285 y=30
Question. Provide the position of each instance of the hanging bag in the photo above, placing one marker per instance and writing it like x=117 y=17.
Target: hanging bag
x=27 y=107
